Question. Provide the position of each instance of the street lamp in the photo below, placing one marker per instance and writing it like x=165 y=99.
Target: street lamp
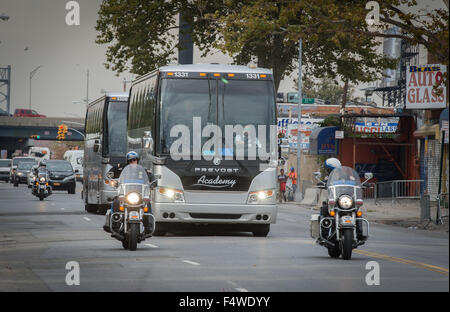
x=32 y=73
x=298 y=194
x=87 y=84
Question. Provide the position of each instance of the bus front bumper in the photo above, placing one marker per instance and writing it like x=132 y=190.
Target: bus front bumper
x=214 y=213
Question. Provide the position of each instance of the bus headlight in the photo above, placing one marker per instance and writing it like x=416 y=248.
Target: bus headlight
x=254 y=197
x=173 y=194
x=133 y=198
x=345 y=202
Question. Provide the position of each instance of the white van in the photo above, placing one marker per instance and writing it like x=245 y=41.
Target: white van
x=40 y=153
x=75 y=157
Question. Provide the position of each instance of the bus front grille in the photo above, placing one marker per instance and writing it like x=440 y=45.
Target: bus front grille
x=215 y=216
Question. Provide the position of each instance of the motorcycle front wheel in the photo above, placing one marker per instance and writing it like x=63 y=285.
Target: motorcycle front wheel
x=133 y=234
x=347 y=244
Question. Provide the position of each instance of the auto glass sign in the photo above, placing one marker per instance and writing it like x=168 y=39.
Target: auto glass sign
x=420 y=80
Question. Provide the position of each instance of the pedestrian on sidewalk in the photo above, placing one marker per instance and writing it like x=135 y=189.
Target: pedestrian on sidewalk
x=282 y=179
x=293 y=176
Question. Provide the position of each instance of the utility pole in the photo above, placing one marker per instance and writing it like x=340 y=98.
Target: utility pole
x=186 y=52
x=298 y=193
x=87 y=87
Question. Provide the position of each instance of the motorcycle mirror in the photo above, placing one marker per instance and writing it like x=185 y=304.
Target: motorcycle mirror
x=110 y=175
x=368 y=175
x=159 y=160
x=317 y=175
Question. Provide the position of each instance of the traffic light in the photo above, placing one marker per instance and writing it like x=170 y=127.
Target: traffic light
x=36 y=136
x=62 y=130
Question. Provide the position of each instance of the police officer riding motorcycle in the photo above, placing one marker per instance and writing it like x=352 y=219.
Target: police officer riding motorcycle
x=41 y=187
x=340 y=227
x=130 y=218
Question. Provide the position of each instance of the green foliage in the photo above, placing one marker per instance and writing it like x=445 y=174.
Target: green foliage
x=338 y=44
x=142 y=34
x=325 y=89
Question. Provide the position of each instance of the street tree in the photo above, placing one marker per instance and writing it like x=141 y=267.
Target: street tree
x=142 y=34
x=269 y=31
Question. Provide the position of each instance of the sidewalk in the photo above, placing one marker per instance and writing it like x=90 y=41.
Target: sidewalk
x=405 y=213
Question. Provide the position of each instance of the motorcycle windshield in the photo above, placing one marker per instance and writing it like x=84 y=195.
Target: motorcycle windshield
x=134 y=178
x=344 y=181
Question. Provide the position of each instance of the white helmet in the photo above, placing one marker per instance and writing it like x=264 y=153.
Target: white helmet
x=332 y=163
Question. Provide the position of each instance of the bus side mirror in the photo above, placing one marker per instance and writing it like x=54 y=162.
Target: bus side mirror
x=96 y=146
x=159 y=160
x=148 y=141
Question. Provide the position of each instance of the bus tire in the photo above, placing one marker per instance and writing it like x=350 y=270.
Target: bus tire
x=160 y=230
x=90 y=208
x=103 y=209
x=261 y=230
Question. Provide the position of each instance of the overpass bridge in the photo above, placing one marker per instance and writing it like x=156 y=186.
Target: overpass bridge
x=17 y=132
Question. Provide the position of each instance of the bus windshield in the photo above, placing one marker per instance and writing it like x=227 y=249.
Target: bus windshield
x=218 y=102
x=117 y=125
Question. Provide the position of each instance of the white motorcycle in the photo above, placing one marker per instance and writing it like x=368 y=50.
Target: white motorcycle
x=340 y=226
x=134 y=194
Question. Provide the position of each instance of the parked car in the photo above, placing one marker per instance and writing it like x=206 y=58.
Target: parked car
x=23 y=169
x=5 y=167
x=22 y=112
x=61 y=175
x=15 y=163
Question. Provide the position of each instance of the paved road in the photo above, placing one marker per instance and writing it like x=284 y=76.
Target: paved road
x=37 y=239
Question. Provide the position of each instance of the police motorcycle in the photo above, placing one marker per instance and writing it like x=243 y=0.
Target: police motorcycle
x=41 y=187
x=134 y=194
x=340 y=226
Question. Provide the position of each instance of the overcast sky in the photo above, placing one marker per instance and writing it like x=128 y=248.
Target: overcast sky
x=37 y=35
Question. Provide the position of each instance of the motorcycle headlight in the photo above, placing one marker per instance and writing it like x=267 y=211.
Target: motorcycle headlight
x=175 y=195
x=34 y=178
x=20 y=174
x=254 y=197
x=133 y=198
x=345 y=202
x=42 y=179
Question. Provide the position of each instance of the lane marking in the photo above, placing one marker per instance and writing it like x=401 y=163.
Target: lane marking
x=86 y=218
x=240 y=289
x=191 y=262
x=63 y=208
x=422 y=265
x=151 y=245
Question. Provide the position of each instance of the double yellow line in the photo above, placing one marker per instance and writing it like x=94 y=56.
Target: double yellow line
x=422 y=265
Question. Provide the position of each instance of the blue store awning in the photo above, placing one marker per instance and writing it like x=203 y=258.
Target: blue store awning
x=323 y=142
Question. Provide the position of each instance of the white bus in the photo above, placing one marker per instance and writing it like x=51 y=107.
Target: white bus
x=75 y=157
x=104 y=146
x=200 y=189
